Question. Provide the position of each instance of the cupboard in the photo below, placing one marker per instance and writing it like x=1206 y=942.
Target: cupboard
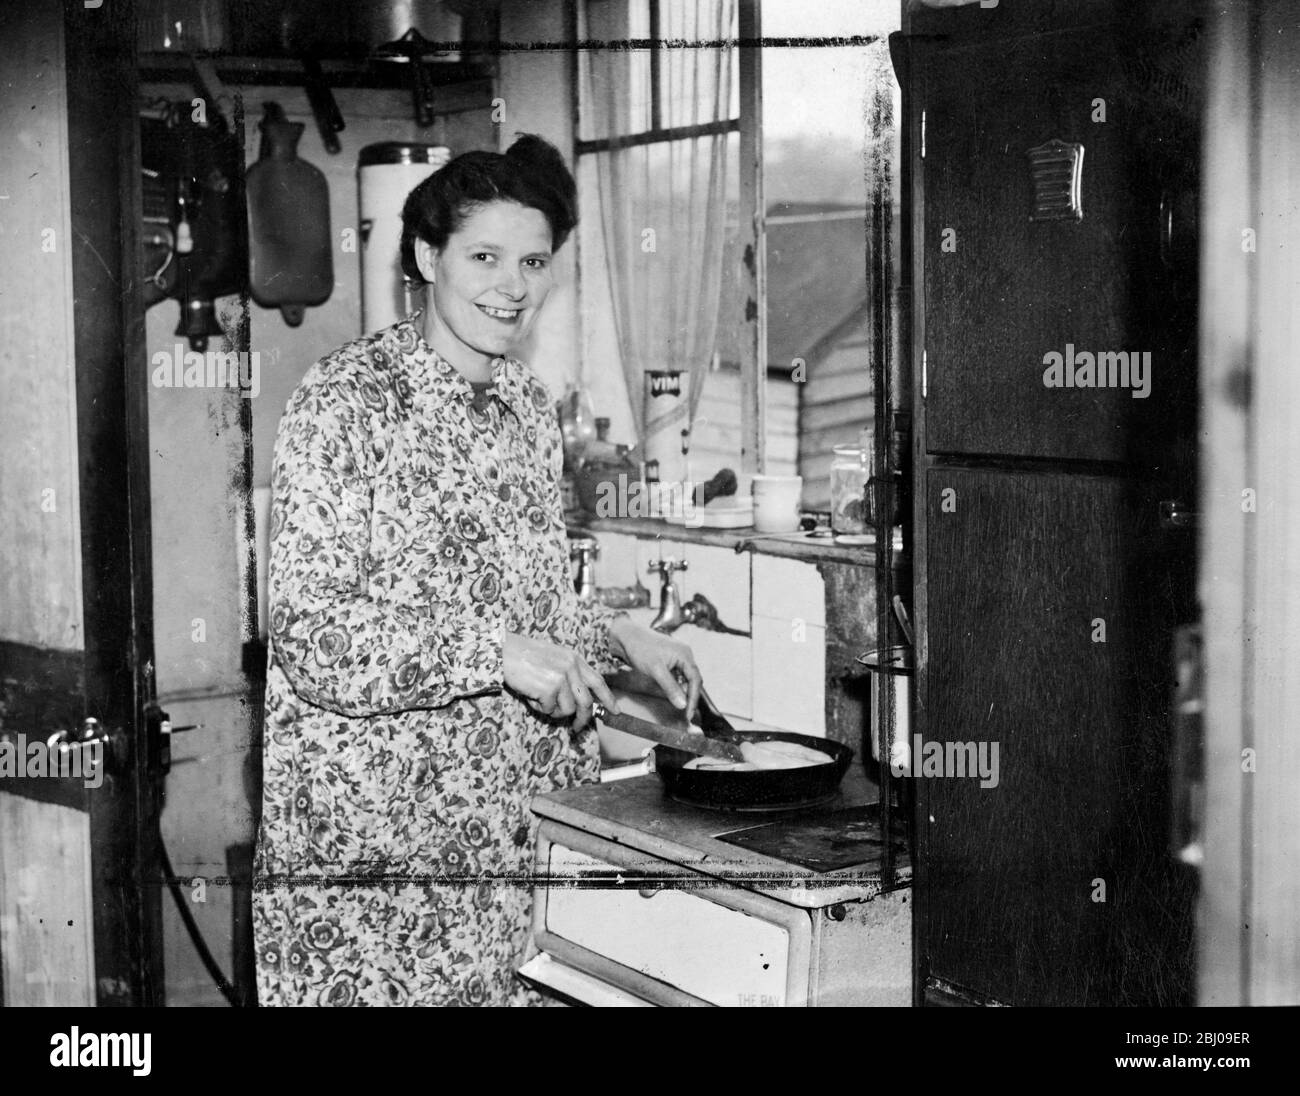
x=1052 y=187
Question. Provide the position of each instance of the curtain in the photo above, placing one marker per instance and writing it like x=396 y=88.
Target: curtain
x=662 y=205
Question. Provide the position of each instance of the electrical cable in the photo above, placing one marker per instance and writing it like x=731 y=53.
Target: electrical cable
x=228 y=991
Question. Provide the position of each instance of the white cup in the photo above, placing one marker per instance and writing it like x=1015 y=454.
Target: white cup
x=776 y=503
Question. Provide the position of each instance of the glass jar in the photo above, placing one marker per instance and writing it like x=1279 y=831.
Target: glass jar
x=849 y=474
x=577 y=425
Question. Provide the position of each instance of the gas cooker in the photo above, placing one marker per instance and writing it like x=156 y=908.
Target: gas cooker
x=640 y=899
x=814 y=857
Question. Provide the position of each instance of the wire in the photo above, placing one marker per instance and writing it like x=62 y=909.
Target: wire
x=228 y=991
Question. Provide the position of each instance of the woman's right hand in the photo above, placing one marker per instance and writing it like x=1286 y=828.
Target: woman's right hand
x=555 y=681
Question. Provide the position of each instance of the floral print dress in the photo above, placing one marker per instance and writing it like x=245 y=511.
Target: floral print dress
x=411 y=526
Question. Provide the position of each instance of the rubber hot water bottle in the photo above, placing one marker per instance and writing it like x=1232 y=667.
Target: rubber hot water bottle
x=291 y=255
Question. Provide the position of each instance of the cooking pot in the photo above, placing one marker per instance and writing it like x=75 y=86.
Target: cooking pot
x=897 y=664
x=336 y=28
x=755 y=790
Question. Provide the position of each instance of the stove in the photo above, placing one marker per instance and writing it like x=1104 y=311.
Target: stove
x=640 y=899
x=822 y=840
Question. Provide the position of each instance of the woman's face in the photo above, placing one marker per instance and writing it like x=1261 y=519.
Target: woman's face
x=489 y=282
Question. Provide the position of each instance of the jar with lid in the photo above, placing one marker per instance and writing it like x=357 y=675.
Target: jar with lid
x=849 y=474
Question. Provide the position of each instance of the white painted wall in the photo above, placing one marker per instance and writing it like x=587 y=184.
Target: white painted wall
x=197 y=449
x=536 y=90
x=40 y=528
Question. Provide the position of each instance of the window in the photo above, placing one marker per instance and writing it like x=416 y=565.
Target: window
x=806 y=133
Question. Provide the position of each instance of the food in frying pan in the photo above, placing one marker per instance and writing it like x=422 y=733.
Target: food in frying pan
x=765 y=755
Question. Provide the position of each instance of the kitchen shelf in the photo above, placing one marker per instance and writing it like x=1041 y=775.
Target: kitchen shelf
x=792 y=546
x=451 y=78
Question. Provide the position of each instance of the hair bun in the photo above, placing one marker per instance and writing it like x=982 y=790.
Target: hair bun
x=531 y=149
x=544 y=159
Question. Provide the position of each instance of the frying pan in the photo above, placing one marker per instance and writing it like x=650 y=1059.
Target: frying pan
x=750 y=790
x=753 y=790
x=756 y=790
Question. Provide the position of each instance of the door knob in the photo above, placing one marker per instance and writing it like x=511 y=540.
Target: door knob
x=88 y=745
x=1187 y=768
x=1177 y=514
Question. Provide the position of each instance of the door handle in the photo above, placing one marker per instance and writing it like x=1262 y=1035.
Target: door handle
x=1177 y=514
x=90 y=733
x=1187 y=799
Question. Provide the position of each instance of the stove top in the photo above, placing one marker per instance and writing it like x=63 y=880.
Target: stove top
x=822 y=841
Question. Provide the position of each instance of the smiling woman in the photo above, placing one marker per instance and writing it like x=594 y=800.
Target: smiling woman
x=488 y=284
x=486 y=294
x=432 y=668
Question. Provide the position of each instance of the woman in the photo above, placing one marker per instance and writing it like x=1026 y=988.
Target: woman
x=432 y=669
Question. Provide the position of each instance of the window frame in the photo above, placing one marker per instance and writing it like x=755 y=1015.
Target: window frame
x=751 y=207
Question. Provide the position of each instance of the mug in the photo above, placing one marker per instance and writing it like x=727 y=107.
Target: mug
x=776 y=503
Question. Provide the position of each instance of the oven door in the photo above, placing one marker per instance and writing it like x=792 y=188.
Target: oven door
x=660 y=933
x=553 y=975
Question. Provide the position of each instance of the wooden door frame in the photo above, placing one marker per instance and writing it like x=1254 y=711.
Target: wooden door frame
x=113 y=447
x=1248 y=940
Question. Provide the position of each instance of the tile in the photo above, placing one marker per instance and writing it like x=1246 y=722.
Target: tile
x=789 y=675
x=786 y=589
x=726 y=664
x=720 y=575
x=617 y=565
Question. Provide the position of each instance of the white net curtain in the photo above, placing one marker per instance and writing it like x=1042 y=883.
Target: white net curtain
x=662 y=201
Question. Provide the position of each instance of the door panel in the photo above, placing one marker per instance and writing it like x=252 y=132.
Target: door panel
x=1056 y=886
x=74 y=605
x=1013 y=289
x=46 y=942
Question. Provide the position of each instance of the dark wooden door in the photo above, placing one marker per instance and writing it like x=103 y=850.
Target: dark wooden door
x=1005 y=290
x=1055 y=885
x=79 y=886
x=1047 y=588
x=1025 y=288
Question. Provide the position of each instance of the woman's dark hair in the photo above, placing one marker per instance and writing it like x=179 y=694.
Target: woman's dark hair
x=530 y=172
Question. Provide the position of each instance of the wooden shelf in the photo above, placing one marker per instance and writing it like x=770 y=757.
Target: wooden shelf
x=172 y=68
x=792 y=546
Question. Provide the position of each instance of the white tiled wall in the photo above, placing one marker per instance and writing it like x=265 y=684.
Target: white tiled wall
x=789 y=589
x=720 y=575
x=789 y=660
x=789 y=630
x=617 y=565
x=725 y=662
x=775 y=676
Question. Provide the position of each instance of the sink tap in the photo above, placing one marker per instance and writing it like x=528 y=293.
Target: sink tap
x=701 y=612
x=670 y=616
x=586 y=551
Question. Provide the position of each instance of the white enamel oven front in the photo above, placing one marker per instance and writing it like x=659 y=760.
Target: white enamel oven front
x=619 y=927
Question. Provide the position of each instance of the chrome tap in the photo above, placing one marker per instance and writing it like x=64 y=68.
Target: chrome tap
x=670 y=616
x=585 y=549
x=699 y=611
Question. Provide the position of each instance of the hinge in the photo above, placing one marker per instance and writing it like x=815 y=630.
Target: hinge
x=925 y=374
x=922 y=135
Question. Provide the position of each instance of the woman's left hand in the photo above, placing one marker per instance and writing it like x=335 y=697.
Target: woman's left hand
x=667 y=660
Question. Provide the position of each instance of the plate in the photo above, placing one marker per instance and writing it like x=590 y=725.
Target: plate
x=733 y=515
